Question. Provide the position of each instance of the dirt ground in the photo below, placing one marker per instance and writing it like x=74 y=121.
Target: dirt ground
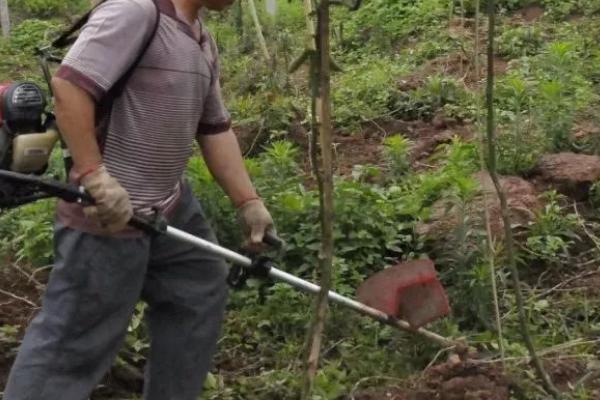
x=473 y=380
x=450 y=381
x=366 y=146
x=19 y=300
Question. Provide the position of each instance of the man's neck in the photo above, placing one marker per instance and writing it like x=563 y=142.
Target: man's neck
x=188 y=9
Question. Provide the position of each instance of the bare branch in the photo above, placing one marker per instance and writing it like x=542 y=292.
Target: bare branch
x=23 y=299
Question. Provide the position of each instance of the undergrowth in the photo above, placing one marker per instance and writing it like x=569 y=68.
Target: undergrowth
x=551 y=83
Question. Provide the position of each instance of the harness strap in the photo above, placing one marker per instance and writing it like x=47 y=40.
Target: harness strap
x=68 y=37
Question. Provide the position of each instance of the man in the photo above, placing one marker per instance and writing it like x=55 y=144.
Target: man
x=130 y=151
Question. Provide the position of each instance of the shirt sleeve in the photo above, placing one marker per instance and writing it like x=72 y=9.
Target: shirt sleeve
x=108 y=45
x=215 y=117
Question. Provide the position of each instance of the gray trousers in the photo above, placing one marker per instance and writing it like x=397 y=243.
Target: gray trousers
x=93 y=289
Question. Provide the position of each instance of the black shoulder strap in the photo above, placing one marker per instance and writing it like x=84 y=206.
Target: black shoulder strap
x=68 y=37
x=119 y=86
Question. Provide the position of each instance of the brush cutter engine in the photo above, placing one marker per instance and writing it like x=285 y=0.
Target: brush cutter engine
x=27 y=135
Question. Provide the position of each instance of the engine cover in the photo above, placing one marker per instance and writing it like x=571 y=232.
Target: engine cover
x=22 y=106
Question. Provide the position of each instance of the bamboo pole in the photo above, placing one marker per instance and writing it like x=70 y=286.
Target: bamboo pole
x=490 y=251
x=324 y=172
x=5 y=18
x=311 y=34
x=259 y=33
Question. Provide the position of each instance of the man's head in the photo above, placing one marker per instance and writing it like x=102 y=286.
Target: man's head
x=215 y=5
x=192 y=6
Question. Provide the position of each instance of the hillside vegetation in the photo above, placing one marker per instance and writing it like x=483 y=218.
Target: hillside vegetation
x=408 y=119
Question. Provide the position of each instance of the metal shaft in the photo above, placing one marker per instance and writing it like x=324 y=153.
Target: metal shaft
x=306 y=286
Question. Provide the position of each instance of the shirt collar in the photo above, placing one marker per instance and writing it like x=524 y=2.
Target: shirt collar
x=168 y=8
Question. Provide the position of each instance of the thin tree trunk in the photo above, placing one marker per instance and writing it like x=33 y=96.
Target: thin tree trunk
x=462 y=27
x=311 y=35
x=259 y=34
x=324 y=176
x=490 y=251
x=5 y=18
x=239 y=21
x=509 y=241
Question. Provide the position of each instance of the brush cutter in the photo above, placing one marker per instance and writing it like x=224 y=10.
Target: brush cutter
x=410 y=291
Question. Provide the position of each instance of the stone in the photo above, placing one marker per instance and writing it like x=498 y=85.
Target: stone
x=568 y=173
x=522 y=198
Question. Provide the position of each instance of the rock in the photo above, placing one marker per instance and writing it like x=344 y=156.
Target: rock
x=569 y=173
x=521 y=196
x=522 y=199
x=424 y=145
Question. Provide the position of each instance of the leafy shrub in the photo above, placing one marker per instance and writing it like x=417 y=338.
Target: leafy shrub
x=434 y=44
x=397 y=152
x=595 y=194
x=26 y=232
x=437 y=93
x=18 y=60
x=364 y=91
x=519 y=148
x=47 y=8
x=562 y=92
x=520 y=41
x=553 y=232
x=269 y=113
x=560 y=9
x=32 y=33
x=384 y=23
x=542 y=98
x=501 y=5
x=256 y=96
x=519 y=143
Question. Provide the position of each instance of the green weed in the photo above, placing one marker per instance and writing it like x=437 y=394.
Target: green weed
x=552 y=233
x=397 y=152
x=365 y=91
x=47 y=8
x=520 y=41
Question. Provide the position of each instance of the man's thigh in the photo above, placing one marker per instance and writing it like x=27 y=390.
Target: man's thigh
x=179 y=272
x=93 y=288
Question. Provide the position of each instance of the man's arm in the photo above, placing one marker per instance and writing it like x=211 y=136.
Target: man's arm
x=224 y=160
x=75 y=115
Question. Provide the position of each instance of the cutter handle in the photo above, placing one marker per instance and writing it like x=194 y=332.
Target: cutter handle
x=152 y=226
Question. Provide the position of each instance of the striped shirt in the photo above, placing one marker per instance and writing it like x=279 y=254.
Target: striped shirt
x=147 y=133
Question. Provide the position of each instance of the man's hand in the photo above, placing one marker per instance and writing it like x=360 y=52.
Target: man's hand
x=113 y=209
x=224 y=160
x=256 y=221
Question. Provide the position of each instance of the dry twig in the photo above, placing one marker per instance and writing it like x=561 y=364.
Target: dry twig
x=23 y=299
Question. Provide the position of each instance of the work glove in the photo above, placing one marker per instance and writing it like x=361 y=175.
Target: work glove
x=256 y=222
x=113 y=209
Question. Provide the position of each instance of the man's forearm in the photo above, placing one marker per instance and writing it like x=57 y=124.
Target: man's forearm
x=75 y=115
x=224 y=160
